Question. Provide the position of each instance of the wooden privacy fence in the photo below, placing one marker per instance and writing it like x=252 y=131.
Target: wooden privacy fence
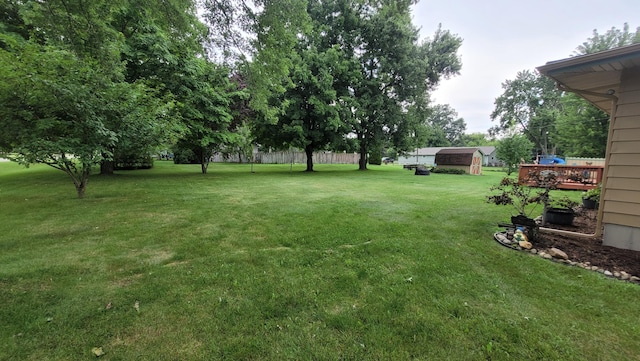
x=295 y=157
x=580 y=177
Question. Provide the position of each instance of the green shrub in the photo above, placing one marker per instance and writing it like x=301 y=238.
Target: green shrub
x=184 y=156
x=375 y=156
x=131 y=162
x=448 y=170
x=593 y=194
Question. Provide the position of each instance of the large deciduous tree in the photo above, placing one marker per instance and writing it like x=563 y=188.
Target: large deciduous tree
x=205 y=95
x=582 y=128
x=554 y=120
x=61 y=65
x=52 y=107
x=310 y=118
x=529 y=104
x=447 y=127
x=612 y=38
x=389 y=68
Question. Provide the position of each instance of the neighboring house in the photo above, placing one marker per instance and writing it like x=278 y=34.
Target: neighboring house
x=427 y=156
x=611 y=81
x=489 y=156
x=467 y=159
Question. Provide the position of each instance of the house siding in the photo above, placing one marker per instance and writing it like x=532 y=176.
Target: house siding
x=621 y=213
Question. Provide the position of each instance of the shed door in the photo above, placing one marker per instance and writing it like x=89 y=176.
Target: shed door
x=476 y=165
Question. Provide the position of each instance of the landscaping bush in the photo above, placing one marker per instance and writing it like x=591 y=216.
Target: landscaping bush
x=448 y=170
x=375 y=157
x=184 y=156
x=131 y=162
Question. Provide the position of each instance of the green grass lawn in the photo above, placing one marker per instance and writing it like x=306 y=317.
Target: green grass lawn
x=286 y=265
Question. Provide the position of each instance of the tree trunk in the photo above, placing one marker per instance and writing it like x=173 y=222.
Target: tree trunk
x=107 y=167
x=80 y=189
x=362 y=163
x=309 y=152
x=82 y=180
x=204 y=161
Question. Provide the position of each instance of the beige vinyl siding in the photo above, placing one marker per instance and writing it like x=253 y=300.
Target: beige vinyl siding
x=626 y=135
x=629 y=122
x=622 y=183
x=625 y=159
x=624 y=219
x=622 y=197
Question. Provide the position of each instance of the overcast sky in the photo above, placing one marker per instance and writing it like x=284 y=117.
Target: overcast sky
x=503 y=37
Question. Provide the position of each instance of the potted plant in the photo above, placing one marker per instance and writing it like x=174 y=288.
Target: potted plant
x=559 y=211
x=591 y=198
x=524 y=198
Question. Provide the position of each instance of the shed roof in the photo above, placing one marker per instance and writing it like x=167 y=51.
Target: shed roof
x=595 y=76
x=458 y=151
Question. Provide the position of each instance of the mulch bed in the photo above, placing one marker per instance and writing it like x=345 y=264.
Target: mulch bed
x=589 y=250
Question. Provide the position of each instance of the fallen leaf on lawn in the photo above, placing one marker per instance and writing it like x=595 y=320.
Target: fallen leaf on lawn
x=109 y=305
x=97 y=351
x=137 y=306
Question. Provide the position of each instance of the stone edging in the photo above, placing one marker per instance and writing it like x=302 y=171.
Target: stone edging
x=556 y=255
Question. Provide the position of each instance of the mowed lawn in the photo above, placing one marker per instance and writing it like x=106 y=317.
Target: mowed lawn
x=170 y=264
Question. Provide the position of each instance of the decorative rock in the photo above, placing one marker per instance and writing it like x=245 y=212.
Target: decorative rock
x=503 y=238
x=525 y=244
x=556 y=253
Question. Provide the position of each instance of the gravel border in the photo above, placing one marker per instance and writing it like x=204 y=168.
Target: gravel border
x=501 y=238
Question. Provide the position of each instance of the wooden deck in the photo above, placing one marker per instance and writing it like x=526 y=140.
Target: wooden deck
x=580 y=177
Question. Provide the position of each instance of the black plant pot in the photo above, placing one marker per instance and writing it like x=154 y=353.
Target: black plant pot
x=521 y=220
x=589 y=203
x=560 y=216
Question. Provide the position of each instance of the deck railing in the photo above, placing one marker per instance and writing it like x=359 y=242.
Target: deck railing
x=568 y=176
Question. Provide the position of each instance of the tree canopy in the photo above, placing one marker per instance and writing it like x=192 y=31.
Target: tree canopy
x=88 y=83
